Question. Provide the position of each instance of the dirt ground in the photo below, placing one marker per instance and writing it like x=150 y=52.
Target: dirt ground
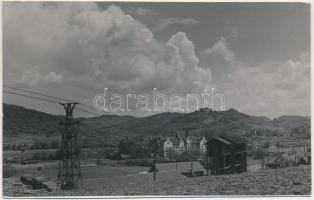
x=120 y=181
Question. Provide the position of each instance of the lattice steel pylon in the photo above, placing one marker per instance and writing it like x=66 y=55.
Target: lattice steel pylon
x=69 y=171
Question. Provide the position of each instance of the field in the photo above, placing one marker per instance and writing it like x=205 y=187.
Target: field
x=117 y=179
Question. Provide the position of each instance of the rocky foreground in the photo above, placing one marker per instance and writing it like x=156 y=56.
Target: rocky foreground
x=288 y=181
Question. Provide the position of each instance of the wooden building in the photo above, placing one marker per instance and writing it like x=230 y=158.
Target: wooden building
x=227 y=155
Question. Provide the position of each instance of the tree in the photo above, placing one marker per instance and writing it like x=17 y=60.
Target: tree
x=58 y=154
x=259 y=153
x=37 y=156
x=43 y=145
x=132 y=147
x=266 y=144
x=54 y=144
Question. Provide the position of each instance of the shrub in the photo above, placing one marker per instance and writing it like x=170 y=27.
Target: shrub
x=52 y=157
x=139 y=162
x=6 y=147
x=9 y=171
x=133 y=148
x=58 y=154
x=43 y=156
x=259 y=153
x=54 y=144
x=37 y=156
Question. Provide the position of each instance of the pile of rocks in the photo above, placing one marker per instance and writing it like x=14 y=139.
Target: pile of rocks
x=27 y=186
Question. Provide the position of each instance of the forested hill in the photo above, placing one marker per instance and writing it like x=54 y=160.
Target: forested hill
x=110 y=129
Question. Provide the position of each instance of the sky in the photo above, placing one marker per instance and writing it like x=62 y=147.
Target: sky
x=256 y=54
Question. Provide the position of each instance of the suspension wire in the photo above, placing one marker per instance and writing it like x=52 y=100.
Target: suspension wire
x=87 y=111
x=32 y=97
x=38 y=93
x=46 y=100
x=42 y=94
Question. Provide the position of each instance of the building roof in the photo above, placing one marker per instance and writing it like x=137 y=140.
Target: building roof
x=194 y=139
x=180 y=167
x=227 y=142
x=125 y=156
x=229 y=139
x=175 y=140
x=234 y=138
x=304 y=160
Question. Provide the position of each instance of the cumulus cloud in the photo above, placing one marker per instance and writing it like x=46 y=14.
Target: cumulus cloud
x=141 y=11
x=234 y=31
x=53 y=77
x=31 y=76
x=80 y=45
x=220 y=48
x=188 y=65
x=259 y=89
x=77 y=49
x=165 y=23
x=219 y=58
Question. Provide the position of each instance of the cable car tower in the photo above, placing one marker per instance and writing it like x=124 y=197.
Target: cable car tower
x=69 y=171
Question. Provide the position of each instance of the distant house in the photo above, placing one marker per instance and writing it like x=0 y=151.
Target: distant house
x=227 y=155
x=288 y=154
x=168 y=147
x=309 y=155
x=189 y=169
x=192 y=144
x=305 y=159
x=205 y=109
x=179 y=144
x=273 y=148
x=123 y=156
x=176 y=145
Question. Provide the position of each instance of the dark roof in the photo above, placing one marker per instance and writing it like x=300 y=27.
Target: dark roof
x=230 y=139
x=175 y=140
x=223 y=140
x=304 y=160
x=194 y=139
x=234 y=138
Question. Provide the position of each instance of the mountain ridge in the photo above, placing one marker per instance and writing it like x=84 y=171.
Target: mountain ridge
x=110 y=129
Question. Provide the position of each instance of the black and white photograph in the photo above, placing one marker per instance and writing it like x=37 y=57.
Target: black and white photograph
x=156 y=99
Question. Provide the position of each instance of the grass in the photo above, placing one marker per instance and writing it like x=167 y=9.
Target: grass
x=117 y=179
x=9 y=171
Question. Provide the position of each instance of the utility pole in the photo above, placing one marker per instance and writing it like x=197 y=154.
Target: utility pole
x=191 y=168
x=155 y=165
x=207 y=165
x=176 y=161
x=155 y=156
x=69 y=171
x=207 y=157
x=276 y=156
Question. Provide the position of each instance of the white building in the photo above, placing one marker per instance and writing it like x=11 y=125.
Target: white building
x=176 y=145
x=203 y=148
x=168 y=147
x=179 y=146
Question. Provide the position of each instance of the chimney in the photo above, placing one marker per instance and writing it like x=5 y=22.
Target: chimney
x=186 y=133
x=177 y=136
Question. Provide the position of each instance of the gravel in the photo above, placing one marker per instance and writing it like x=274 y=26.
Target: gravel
x=288 y=181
